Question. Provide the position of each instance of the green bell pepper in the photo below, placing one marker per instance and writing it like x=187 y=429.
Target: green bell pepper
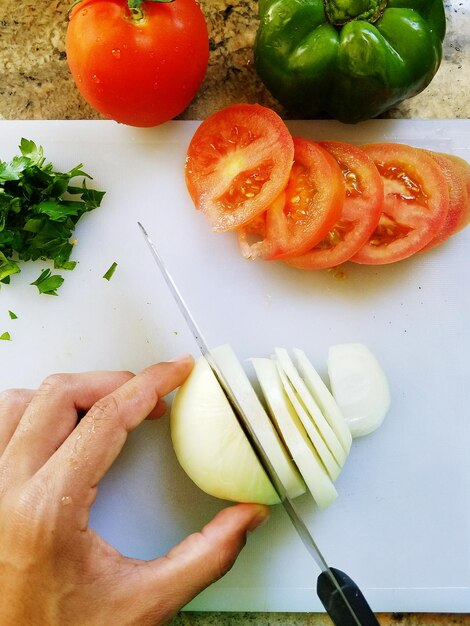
x=350 y=59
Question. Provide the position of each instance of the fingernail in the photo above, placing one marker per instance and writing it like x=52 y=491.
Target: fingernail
x=183 y=357
x=260 y=518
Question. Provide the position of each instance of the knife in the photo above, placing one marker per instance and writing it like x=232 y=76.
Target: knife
x=339 y=594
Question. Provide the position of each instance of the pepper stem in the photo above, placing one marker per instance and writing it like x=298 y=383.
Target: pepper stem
x=340 y=12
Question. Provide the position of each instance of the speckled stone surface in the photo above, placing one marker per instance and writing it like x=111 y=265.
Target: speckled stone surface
x=35 y=84
x=302 y=619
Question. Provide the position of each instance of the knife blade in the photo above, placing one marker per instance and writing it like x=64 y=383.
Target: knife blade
x=341 y=597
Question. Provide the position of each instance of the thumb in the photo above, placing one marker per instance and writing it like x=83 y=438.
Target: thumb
x=204 y=557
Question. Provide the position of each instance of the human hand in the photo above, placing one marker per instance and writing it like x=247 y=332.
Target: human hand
x=55 y=570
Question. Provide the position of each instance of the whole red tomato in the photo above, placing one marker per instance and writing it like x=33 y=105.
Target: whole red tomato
x=139 y=66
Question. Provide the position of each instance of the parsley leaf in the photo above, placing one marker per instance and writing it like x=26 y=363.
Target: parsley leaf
x=13 y=316
x=29 y=150
x=48 y=283
x=39 y=209
x=7 y=267
x=5 y=336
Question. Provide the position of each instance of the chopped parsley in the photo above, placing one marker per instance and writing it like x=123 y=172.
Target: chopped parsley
x=5 y=337
x=39 y=209
x=13 y=316
x=109 y=273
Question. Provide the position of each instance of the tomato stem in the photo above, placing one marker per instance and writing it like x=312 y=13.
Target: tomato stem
x=135 y=5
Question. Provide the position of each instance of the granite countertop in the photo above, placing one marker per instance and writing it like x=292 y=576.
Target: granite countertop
x=35 y=84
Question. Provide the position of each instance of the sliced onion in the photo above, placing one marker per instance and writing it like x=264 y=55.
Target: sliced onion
x=316 y=419
x=324 y=454
x=307 y=434
x=324 y=399
x=262 y=426
x=293 y=433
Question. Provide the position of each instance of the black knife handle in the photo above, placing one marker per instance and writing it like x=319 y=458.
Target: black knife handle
x=334 y=603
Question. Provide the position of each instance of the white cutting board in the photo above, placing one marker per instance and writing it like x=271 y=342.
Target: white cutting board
x=400 y=526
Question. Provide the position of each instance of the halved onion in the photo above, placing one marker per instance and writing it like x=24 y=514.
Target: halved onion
x=359 y=386
x=211 y=446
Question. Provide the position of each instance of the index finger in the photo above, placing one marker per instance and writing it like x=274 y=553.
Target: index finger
x=86 y=455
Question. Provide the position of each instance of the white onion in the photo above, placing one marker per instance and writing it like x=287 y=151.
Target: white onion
x=307 y=434
x=261 y=425
x=210 y=445
x=296 y=439
x=312 y=416
x=359 y=386
x=324 y=399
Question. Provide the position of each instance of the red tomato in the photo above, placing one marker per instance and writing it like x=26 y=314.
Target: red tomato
x=360 y=212
x=306 y=211
x=140 y=67
x=415 y=205
x=458 y=200
x=238 y=162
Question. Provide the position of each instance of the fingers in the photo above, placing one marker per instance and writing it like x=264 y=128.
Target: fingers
x=201 y=558
x=51 y=416
x=13 y=403
x=159 y=410
x=89 y=451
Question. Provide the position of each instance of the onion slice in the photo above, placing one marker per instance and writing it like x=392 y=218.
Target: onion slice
x=359 y=386
x=316 y=414
x=307 y=422
x=324 y=398
x=293 y=433
x=262 y=426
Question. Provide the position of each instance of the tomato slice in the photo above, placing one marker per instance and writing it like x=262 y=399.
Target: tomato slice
x=463 y=169
x=304 y=213
x=360 y=212
x=456 y=217
x=415 y=205
x=238 y=162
